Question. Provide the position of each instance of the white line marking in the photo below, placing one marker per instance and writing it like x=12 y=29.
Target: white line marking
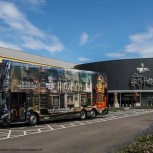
x=9 y=134
x=72 y=124
x=50 y=127
x=89 y=122
x=40 y=126
x=79 y=123
x=39 y=130
x=103 y=120
x=25 y=133
x=62 y=126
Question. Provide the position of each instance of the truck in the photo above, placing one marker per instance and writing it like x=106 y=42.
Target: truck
x=33 y=93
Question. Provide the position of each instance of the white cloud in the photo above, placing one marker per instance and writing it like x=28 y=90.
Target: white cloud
x=31 y=3
x=141 y=43
x=31 y=37
x=115 y=55
x=7 y=45
x=36 y=44
x=34 y=2
x=84 y=38
x=83 y=59
x=16 y=20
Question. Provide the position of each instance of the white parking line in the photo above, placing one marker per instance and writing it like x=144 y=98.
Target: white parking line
x=24 y=132
x=62 y=126
x=88 y=122
x=50 y=127
x=17 y=132
x=78 y=123
x=39 y=130
x=9 y=133
x=72 y=124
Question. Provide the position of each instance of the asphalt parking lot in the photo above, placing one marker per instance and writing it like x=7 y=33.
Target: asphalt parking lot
x=24 y=130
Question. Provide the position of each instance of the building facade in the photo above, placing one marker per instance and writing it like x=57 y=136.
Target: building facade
x=19 y=56
x=130 y=81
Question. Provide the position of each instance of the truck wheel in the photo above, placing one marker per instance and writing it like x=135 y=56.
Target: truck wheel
x=33 y=119
x=83 y=115
x=93 y=113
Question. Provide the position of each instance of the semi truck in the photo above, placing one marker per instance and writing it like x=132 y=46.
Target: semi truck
x=34 y=93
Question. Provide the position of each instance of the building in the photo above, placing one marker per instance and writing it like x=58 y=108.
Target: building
x=130 y=81
x=19 y=56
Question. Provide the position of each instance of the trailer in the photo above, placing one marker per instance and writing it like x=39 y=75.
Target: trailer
x=34 y=93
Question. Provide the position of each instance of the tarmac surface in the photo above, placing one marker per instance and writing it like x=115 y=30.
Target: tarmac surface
x=75 y=136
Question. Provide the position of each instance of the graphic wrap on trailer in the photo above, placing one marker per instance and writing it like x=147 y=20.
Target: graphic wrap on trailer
x=31 y=93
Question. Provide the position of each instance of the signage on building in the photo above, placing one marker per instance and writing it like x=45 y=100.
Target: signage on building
x=140 y=80
x=142 y=69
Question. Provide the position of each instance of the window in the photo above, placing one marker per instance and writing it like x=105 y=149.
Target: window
x=36 y=102
x=29 y=101
x=70 y=99
x=55 y=101
x=88 y=84
x=84 y=99
x=83 y=86
x=43 y=101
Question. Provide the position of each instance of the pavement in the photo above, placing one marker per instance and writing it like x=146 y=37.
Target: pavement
x=20 y=130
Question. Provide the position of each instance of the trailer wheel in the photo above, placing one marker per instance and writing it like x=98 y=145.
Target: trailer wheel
x=33 y=119
x=83 y=115
x=93 y=113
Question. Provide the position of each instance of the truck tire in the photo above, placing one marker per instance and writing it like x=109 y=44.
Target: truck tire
x=33 y=119
x=93 y=113
x=83 y=115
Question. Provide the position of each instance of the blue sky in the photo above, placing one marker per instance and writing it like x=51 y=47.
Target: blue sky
x=78 y=31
